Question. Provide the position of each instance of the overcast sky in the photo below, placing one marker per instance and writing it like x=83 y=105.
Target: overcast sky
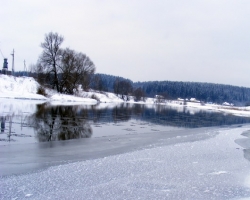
x=143 y=40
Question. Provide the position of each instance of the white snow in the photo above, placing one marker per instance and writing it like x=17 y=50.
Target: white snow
x=218 y=173
x=19 y=88
x=71 y=99
x=102 y=97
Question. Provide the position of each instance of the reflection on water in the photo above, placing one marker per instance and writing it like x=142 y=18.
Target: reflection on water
x=60 y=123
x=165 y=116
x=3 y=119
x=52 y=123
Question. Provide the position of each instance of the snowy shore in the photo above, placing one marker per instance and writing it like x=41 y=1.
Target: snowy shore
x=25 y=88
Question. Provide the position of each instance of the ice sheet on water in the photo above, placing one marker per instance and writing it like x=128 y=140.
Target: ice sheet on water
x=197 y=170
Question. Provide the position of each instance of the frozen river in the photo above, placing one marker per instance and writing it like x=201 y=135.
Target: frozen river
x=124 y=155
x=200 y=164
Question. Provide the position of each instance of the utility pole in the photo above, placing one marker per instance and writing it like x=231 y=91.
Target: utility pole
x=13 y=56
x=24 y=69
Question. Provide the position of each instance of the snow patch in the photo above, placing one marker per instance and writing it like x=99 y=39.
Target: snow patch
x=219 y=172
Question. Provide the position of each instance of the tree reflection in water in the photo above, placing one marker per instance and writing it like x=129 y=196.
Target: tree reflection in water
x=122 y=113
x=60 y=123
x=72 y=122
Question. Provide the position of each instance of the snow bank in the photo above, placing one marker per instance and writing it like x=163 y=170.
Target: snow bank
x=26 y=88
x=63 y=98
x=102 y=97
x=19 y=88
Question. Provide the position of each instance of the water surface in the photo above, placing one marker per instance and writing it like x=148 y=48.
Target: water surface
x=31 y=122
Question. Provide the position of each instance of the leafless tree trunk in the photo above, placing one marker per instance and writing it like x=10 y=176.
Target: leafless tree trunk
x=123 y=88
x=139 y=94
x=50 y=57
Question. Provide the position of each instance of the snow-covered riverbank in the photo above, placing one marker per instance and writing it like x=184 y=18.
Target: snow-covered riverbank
x=25 y=88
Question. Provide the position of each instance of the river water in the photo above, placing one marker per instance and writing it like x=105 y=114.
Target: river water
x=34 y=122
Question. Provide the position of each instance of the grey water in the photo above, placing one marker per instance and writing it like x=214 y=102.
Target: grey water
x=44 y=122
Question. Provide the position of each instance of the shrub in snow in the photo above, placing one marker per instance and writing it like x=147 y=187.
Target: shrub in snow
x=93 y=96
x=41 y=90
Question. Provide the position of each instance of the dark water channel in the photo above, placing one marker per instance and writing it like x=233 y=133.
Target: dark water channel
x=56 y=123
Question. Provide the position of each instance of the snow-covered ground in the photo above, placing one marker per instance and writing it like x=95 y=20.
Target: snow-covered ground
x=19 y=88
x=26 y=88
x=216 y=167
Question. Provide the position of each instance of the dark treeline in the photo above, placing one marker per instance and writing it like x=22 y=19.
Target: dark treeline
x=105 y=82
x=26 y=73
x=208 y=92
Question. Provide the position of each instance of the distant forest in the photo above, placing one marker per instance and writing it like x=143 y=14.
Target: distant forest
x=207 y=92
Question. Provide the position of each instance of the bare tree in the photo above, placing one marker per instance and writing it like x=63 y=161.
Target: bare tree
x=68 y=78
x=50 y=57
x=64 y=69
x=75 y=70
x=123 y=87
x=86 y=68
x=98 y=83
x=139 y=94
x=116 y=86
